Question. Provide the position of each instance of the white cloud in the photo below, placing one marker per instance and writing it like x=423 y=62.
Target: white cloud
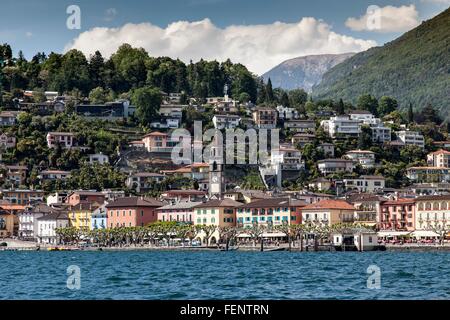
x=28 y=34
x=386 y=19
x=259 y=47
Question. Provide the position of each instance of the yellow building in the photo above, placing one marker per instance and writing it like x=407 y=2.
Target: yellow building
x=80 y=215
x=218 y=213
x=8 y=224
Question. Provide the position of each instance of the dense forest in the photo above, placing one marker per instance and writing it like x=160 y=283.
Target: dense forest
x=127 y=69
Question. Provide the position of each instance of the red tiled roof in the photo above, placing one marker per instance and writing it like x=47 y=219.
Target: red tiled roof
x=442 y=151
x=399 y=202
x=135 y=202
x=220 y=203
x=330 y=204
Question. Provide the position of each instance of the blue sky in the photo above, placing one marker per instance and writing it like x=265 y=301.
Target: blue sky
x=40 y=25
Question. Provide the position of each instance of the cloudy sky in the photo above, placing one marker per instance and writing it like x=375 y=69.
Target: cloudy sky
x=257 y=33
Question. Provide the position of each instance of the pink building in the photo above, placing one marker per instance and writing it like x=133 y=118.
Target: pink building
x=85 y=196
x=132 y=212
x=179 y=212
x=155 y=141
x=398 y=215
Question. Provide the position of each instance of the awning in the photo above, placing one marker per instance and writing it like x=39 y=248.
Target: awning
x=274 y=235
x=392 y=233
x=243 y=235
x=424 y=233
x=265 y=235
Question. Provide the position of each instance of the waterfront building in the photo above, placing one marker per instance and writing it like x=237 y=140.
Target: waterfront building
x=8 y=223
x=432 y=212
x=80 y=215
x=328 y=213
x=179 y=212
x=367 y=208
x=132 y=212
x=99 y=218
x=271 y=211
x=47 y=225
x=398 y=215
x=218 y=213
x=28 y=225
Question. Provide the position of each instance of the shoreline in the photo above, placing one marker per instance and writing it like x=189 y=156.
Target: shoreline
x=321 y=249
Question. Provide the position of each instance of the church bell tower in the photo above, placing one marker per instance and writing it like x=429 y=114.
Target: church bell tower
x=216 y=172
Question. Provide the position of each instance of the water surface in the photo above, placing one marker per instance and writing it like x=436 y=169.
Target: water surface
x=224 y=275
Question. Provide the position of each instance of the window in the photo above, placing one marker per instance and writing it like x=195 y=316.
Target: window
x=142 y=213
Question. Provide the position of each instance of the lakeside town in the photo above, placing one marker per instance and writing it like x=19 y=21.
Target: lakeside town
x=95 y=168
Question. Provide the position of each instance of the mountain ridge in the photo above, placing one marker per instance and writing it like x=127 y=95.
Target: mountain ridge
x=303 y=72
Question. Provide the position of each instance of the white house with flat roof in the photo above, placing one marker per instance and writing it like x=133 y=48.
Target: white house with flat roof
x=342 y=125
x=411 y=138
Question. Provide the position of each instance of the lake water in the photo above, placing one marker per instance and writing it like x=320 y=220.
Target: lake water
x=224 y=275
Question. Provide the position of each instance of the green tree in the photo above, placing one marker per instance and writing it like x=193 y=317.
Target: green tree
x=269 y=92
x=298 y=97
x=386 y=106
x=147 y=101
x=369 y=103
